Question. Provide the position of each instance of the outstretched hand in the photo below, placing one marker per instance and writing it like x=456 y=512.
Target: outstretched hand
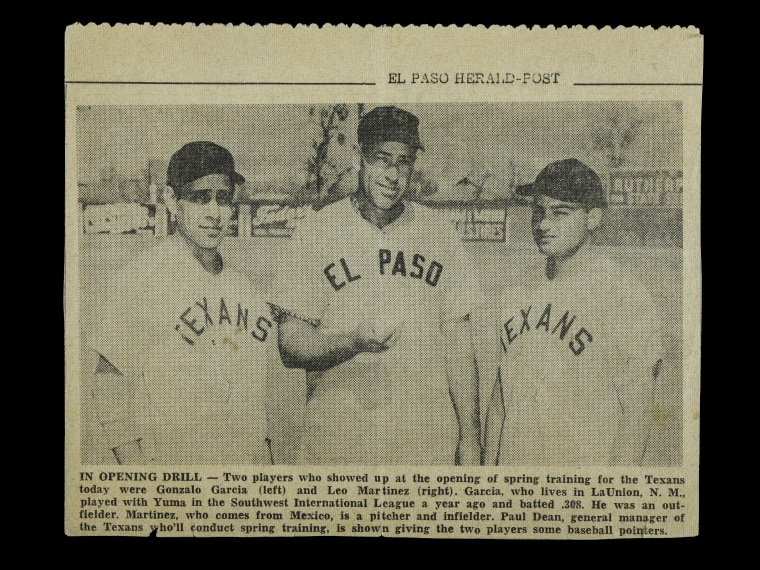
x=371 y=338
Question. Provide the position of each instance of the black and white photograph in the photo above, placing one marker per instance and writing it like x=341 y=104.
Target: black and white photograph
x=443 y=298
x=382 y=284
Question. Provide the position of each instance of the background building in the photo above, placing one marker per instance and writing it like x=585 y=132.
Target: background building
x=296 y=157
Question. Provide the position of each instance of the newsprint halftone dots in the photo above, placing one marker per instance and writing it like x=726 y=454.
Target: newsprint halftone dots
x=197 y=383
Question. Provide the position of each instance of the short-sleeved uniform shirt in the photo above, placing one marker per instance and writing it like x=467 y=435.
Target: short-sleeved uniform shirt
x=195 y=345
x=383 y=408
x=568 y=345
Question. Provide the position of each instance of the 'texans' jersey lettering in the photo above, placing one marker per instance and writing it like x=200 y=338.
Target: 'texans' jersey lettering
x=412 y=265
x=535 y=320
x=195 y=320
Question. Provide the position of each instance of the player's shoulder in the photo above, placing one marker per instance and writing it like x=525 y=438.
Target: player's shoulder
x=521 y=287
x=438 y=222
x=617 y=275
x=616 y=279
x=148 y=253
x=235 y=274
x=316 y=221
x=145 y=262
x=422 y=209
x=425 y=213
x=240 y=285
x=337 y=209
x=598 y=268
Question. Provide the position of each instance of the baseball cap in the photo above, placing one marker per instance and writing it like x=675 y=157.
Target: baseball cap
x=198 y=159
x=389 y=124
x=568 y=180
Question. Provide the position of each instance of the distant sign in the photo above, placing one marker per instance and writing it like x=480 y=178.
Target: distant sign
x=480 y=224
x=118 y=219
x=650 y=188
x=473 y=223
x=274 y=220
x=277 y=220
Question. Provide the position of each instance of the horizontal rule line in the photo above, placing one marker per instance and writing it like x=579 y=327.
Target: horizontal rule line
x=219 y=83
x=636 y=84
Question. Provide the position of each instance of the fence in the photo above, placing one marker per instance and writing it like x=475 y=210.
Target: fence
x=272 y=220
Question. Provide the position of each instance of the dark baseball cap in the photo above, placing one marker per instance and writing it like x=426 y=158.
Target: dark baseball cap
x=568 y=180
x=198 y=159
x=389 y=124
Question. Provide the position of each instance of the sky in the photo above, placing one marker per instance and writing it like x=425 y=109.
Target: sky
x=504 y=143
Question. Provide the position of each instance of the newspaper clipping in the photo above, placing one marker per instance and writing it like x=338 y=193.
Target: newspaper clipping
x=382 y=281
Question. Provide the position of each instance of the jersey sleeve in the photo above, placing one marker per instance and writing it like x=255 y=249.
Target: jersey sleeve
x=639 y=335
x=298 y=284
x=119 y=394
x=120 y=406
x=117 y=334
x=463 y=295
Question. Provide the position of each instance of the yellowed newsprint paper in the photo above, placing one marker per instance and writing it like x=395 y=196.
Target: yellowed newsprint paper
x=437 y=282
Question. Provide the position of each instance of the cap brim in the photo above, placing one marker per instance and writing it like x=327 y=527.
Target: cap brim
x=525 y=190
x=238 y=178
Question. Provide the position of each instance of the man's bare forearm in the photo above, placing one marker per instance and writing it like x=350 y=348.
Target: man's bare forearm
x=302 y=345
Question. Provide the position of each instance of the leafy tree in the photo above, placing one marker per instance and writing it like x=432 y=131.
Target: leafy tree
x=324 y=173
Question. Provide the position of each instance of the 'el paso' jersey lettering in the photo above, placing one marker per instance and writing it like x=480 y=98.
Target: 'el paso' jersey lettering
x=392 y=407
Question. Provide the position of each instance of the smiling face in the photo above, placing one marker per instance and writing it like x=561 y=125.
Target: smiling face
x=561 y=228
x=386 y=172
x=204 y=210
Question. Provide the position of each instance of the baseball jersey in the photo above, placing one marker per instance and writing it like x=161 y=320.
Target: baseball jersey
x=392 y=407
x=568 y=345
x=193 y=345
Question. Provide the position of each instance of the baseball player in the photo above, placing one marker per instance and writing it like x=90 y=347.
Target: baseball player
x=580 y=343
x=182 y=338
x=376 y=309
